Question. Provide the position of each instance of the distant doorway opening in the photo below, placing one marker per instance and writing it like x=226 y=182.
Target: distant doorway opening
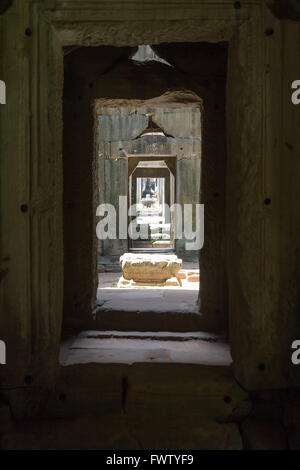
x=151 y=185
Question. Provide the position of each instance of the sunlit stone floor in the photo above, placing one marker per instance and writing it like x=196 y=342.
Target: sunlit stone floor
x=149 y=299
x=128 y=347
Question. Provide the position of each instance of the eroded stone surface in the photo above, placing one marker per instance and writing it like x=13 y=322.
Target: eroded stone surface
x=149 y=268
x=123 y=282
x=116 y=432
x=263 y=435
x=170 y=391
x=173 y=281
x=113 y=347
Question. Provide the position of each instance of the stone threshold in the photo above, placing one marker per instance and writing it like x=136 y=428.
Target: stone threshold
x=149 y=347
x=151 y=321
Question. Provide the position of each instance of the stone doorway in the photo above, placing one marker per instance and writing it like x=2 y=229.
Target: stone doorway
x=124 y=123
x=152 y=146
x=152 y=194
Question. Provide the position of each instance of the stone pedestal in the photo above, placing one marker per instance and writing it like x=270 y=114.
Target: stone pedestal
x=149 y=269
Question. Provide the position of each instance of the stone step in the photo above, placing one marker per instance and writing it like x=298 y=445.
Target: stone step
x=111 y=319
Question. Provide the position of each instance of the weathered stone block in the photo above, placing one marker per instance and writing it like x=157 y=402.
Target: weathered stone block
x=263 y=435
x=203 y=435
x=5 y=418
x=123 y=282
x=181 y=275
x=149 y=268
x=171 y=391
x=115 y=432
x=292 y=418
x=80 y=433
x=173 y=281
x=86 y=390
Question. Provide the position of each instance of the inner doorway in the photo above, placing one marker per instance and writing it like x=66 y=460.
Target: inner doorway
x=151 y=184
x=149 y=155
x=140 y=133
x=142 y=116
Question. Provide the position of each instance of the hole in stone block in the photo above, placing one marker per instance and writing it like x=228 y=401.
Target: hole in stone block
x=269 y=32
x=227 y=399
x=28 y=379
x=62 y=396
x=24 y=207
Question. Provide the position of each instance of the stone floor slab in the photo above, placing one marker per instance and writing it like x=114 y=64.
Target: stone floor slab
x=125 y=348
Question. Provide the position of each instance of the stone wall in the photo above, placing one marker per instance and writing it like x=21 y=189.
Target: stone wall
x=262 y=227
x=146 y=406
